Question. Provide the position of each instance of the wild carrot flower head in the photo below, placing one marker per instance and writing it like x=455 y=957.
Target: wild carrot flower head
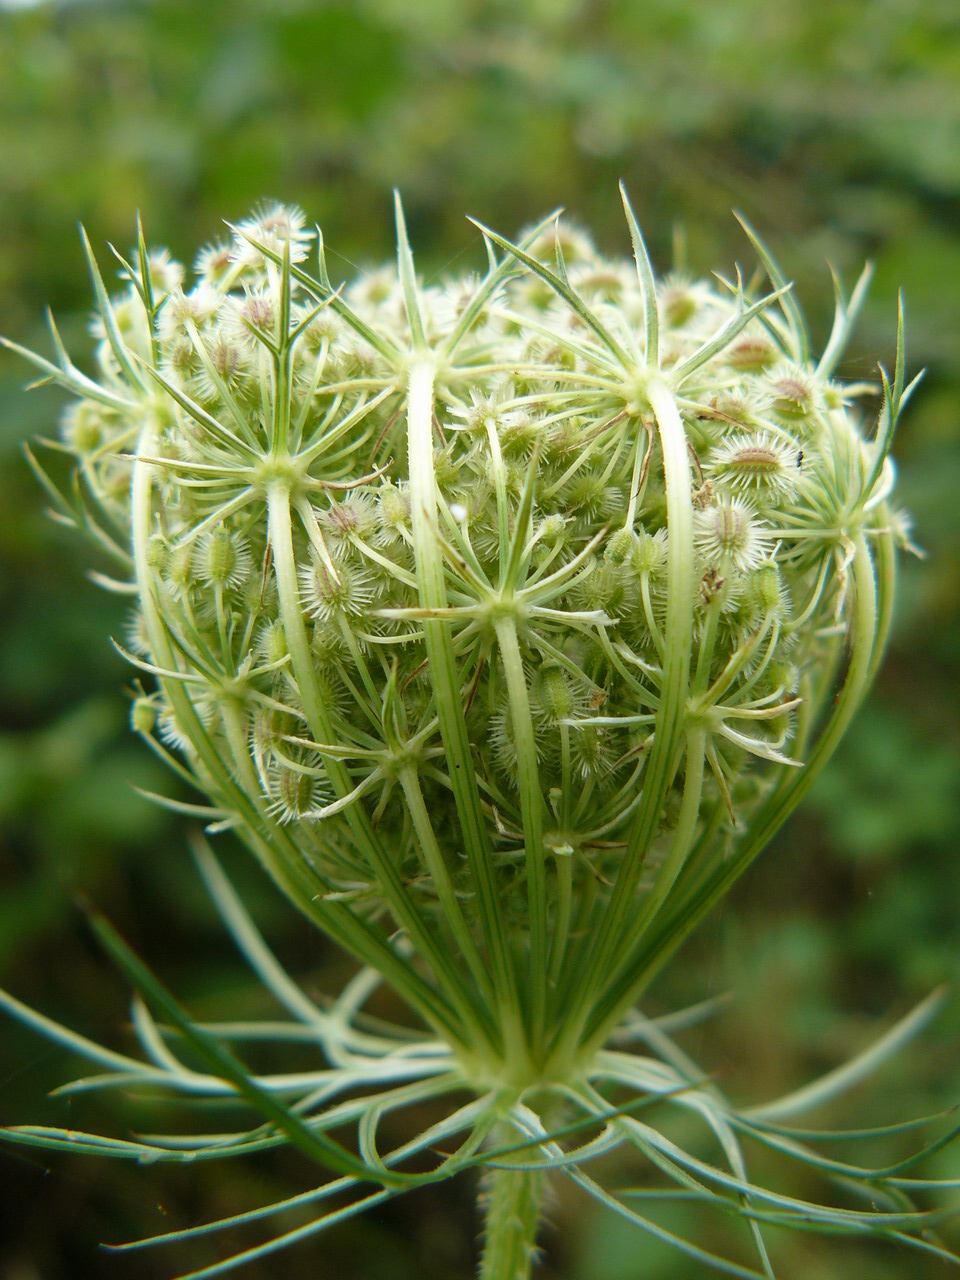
x=582 y=536
x=504 y=618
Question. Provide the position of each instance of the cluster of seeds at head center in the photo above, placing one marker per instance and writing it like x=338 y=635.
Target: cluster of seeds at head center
x=552 y=514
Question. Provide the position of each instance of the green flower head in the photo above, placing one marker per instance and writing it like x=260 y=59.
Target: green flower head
x=504 y=618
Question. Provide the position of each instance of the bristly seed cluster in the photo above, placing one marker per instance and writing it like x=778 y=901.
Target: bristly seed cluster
x=504 y=619
x=598 y=581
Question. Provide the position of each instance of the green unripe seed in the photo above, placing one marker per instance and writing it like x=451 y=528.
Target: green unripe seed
x=553 y=693
x=394 y=512
x=273 y=642
x=648 y=553
x=621 y=546
x=295 y=793
x=751 y=355
x=219 y=558
x=143 y=716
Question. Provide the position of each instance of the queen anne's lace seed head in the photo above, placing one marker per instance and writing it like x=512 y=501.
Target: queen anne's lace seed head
x=504 y=617
x=621 y=512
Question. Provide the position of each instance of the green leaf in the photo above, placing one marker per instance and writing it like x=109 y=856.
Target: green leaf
x=496 y=275
x=222 y=1061
x=858 y=1068
x=791 y=308
x=844 y=319
x=647 y=283
x=105 y=308
x=408 y=277
x=564 y=291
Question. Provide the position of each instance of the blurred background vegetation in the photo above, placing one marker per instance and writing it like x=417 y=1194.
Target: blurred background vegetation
x=835 y=126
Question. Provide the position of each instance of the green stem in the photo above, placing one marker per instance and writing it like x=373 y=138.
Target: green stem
x=531 y=805
x=511 y=1217
x=440 y=875
x=318 y=717
x=283 y=364
x=269 y=842
x=446 y=682
x=885 y=568
x=561 y=923
x=605 y=945
x=683 y=840
x=687 y=910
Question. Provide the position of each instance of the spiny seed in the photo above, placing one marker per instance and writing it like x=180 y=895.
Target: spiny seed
x=344 y=519
x=620 y=546
x=272 y=642
x=680 y=305
x=792 y=397
x=223 y=558
x=765 y=586
x=295 y=792
x=328 y=593
x=751 y=354
x=755 y=458
x=158 y=555
x=649 y=552
x=754 y=463
x=83 y=428
x=179 y=571
x=729 y=524
x=394 y=512
x=552 y=529
x=728 y=533
x=143 y=716
x=259 y=311
x=554 y=693
x=226 y=358
x=182 y=357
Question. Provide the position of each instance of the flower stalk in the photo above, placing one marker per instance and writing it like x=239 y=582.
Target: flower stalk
x=511 y=1218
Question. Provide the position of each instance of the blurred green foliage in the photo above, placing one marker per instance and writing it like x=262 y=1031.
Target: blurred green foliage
x=835 y=126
